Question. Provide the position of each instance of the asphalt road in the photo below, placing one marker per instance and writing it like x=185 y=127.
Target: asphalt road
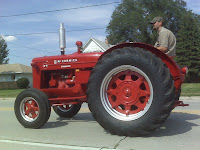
x=180 y=132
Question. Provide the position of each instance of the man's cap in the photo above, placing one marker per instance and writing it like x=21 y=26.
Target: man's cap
x=157 y=19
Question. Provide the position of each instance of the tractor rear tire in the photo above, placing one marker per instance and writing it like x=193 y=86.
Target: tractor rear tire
x=32 y=108
x=130 y=92
x=67 y=111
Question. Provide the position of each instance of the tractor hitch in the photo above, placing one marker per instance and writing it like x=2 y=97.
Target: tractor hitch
x=180 y=103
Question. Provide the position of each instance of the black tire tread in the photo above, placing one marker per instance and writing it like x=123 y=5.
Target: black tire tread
x=68 y=114
x=45 y=110
x=167 y=91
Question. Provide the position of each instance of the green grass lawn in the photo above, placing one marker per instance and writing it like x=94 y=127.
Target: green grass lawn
x=10 y=93
x=188 y=89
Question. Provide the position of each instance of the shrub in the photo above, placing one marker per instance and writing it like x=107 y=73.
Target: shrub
x=22 y=83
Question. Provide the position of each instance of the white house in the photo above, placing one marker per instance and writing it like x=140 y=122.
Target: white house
x=94 y=45
x=12 y=72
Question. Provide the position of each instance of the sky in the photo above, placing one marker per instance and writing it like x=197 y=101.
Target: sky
x=86 y=14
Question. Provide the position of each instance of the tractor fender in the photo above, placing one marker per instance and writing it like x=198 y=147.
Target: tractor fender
x=170 y=63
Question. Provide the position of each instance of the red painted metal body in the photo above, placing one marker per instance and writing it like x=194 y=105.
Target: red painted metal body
x=64 y=78
x=175 y=70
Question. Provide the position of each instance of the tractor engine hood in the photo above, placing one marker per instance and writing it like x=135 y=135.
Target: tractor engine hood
x=72 y=61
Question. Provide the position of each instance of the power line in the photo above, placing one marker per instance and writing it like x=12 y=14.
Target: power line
x=36 y=33
x=57 y=10
x=35 y=49
x=87 y=29
x=19 y=34
x=24 y=34
x=21 y=56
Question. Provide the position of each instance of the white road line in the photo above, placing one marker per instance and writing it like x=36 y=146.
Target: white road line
x=49 y=145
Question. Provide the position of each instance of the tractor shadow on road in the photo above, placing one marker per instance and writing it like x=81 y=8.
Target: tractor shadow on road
x=56 y=124
x=61 y=121
x=80 y=117
x=177 y=123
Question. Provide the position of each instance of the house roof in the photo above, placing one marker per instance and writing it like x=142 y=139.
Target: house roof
x=14 y=68
x=101 y=44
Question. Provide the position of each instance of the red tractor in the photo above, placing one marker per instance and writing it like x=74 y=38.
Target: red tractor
x=130 y=89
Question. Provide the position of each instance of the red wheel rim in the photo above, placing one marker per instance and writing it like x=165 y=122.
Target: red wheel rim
x=65 y=108
x=29 y=109
x=128 y=92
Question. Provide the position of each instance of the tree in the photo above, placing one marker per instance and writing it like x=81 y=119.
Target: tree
x=22 y=83
x=3 y=51
x=130 y=20
x=188 y=46
x=130 y=23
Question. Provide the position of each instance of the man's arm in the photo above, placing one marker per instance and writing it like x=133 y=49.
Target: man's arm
x=163 y=41
x=164 y=49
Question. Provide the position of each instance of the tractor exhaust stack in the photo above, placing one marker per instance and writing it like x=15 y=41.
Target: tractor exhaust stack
x=62 y=39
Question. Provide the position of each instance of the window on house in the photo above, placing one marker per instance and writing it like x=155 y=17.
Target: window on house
x=13 y=76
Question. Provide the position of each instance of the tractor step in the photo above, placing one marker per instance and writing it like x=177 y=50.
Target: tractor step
x=180 y=103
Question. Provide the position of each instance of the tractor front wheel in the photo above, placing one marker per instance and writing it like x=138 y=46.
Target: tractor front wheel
x=32 y=108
